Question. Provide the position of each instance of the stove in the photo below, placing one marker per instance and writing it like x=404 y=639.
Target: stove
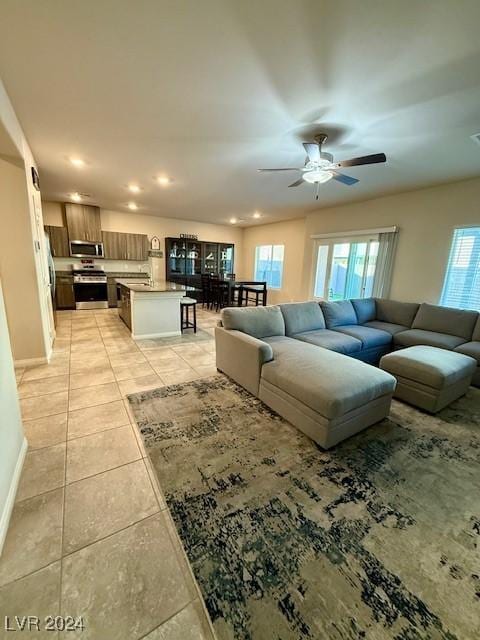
x=89 y=285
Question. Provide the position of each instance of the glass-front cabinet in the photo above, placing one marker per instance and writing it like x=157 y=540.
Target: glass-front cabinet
x=210 y=257
x=186 y=260
x=226 y=259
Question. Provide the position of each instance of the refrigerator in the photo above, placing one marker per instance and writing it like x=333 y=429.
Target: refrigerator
x=51 y=275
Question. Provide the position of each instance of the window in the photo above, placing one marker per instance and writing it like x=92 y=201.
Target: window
x=461 y=288
x=269 y=264
x=345 y=267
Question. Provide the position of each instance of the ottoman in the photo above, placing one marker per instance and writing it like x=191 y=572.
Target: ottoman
x=428 y=377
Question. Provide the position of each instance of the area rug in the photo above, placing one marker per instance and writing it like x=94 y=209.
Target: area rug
x=377 y=538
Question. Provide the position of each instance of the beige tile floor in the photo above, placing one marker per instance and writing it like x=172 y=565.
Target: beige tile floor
x=90 y=533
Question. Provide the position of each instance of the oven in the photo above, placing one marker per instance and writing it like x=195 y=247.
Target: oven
x=90 y=288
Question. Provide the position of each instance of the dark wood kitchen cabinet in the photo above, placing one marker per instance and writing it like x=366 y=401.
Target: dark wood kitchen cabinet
x=137 y=246
x=83 y=222
x=124 y=306
x=114 y=245
x=125 y=246
x=112 y=292
x=58 y=241
x=64 y=294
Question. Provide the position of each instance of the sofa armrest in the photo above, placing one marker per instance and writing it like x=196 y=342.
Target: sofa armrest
x=241 y=357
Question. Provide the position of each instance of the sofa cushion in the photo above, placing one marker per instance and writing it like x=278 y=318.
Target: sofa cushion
x=455 y=322
x=471 y=349
x=390 y=328
x=302 y=316
x=370 y=337
x=330 y=383
x=258 y=322
x=333 y=340
x=365 y=309
x=396 y=312
x=338 y=313
x=476 y=330
x=412 y=337
x=434 y=367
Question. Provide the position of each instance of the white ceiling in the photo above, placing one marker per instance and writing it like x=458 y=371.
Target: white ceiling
x=207 y=91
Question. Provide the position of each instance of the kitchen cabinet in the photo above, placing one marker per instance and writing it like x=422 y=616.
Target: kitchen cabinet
x=64 y=294
x=58 y=241
x=124 y=306
x=114 y=245
x=137 y=246
x=125 y=246
x=112 y=293
x=83 y=222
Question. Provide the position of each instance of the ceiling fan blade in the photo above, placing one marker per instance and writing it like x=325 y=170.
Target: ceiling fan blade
x=297 y=183
x=341 y=177
x=313 y=151
x=375 y=158
x=283 y=169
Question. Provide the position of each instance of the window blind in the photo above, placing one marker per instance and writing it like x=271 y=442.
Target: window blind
x=461 y=288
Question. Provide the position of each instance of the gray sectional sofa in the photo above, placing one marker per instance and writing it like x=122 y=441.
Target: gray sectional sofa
x=370 y=327
x=332 y=392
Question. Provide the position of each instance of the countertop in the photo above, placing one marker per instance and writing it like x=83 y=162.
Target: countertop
x=110 y=274
x=157 y=287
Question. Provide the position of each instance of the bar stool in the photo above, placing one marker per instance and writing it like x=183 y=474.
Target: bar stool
x=185 y=305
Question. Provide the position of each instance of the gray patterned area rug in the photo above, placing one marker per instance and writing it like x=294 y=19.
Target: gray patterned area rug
x=377 y=538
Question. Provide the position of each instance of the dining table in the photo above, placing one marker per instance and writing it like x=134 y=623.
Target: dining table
x=242 y=288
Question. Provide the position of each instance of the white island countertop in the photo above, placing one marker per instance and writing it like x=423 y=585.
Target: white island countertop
x=160 y=286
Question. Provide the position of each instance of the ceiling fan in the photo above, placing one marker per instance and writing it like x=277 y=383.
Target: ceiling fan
x=319 y=166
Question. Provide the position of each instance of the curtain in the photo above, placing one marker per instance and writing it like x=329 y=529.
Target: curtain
x=384 y=267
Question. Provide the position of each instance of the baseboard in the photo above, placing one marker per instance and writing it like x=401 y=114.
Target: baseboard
x=32 y=362
x=151 y=336
x=12 y=492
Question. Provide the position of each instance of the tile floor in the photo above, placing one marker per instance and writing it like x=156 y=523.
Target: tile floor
x=90 y=533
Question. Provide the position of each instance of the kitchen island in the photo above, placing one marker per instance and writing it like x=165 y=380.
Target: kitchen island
x=151 y=309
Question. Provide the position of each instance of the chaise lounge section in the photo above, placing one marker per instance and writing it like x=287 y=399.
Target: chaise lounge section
x=325 y=394
x=310 y=362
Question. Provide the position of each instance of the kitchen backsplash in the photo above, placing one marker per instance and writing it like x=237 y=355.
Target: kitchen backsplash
x=130 y=266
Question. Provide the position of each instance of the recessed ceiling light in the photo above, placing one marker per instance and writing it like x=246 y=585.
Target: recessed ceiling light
x=132 y=206
x=257 y=215
x=164 y=181
x=134 y=188
x=233 y=221
x=76 y=197
x=77 y=162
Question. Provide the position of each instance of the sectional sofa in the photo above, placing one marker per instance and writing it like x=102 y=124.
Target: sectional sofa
x=368 y=328
x=333 y=392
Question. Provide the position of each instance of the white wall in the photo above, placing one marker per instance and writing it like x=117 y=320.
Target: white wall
x=291 y=234
x=17 y=265
x=124 y=222
x=12 y=441
x=22 y=234
x=426 y=219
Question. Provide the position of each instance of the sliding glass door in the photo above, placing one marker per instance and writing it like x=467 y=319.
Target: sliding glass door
x=345 y=268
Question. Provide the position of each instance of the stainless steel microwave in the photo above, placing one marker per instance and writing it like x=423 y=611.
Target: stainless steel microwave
x=85 y=249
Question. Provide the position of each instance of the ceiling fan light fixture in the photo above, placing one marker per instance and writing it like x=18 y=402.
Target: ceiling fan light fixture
x=317 y=175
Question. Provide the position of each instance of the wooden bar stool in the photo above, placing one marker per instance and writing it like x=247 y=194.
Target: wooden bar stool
x=185 y=305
